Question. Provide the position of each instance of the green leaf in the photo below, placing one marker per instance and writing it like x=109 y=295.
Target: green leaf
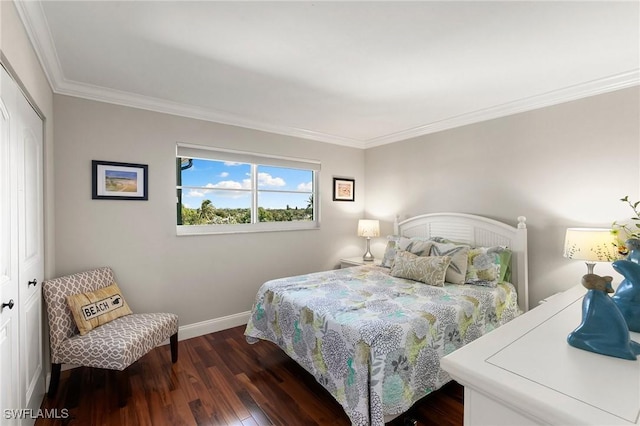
x=636 y=204
x=626 y=198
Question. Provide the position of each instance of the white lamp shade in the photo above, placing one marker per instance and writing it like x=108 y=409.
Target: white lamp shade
x=368 y=228
x=590 y=244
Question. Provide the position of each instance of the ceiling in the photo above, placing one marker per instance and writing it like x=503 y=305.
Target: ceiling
x=357 y=73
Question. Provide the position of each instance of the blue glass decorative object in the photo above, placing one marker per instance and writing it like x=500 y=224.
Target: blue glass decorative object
x=603 y=329
x=627 y=296
x=633 y=245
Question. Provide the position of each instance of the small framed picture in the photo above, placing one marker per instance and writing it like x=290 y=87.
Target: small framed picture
x=344 y=189
x=119 y=181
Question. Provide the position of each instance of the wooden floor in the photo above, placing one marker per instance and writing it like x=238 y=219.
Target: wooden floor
x=220 y=379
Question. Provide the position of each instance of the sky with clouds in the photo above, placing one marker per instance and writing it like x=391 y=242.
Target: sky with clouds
x=228 y=185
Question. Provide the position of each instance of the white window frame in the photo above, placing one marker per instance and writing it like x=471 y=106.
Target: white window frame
x=184 y=150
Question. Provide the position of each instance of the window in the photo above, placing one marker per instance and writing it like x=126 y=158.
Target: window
x=220 y=191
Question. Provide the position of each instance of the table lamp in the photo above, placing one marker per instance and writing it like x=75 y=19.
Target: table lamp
x=368 y=228
x=591 y=245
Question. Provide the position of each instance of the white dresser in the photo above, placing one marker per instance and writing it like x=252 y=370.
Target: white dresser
x=525 y=373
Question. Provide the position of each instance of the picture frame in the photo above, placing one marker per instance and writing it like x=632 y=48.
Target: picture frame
x=344 y=189
x=119 y=181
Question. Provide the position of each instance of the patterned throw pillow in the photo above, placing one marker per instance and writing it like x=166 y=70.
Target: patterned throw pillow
x=417 y=246
x=487 y=265
x=427 y=269
x=93 y=309
x=390 y=251
x=457 y=270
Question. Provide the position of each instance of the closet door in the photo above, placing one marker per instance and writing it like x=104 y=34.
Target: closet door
x=30 y=244
x=10 y=388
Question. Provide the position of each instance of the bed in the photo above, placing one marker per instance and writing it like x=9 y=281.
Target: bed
x=374 y=338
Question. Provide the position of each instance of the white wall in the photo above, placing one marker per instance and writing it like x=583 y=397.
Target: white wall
x=198 y=277
x=560 y=166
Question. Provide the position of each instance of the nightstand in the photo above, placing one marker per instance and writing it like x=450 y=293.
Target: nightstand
x=357 y=261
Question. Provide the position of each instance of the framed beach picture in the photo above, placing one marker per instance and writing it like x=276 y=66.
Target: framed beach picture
x=119 y=181
x=344 y=189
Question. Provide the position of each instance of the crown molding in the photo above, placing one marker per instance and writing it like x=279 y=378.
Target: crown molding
x=591 y=88
x=38 y=31
x=578 y=91
x=96 y=93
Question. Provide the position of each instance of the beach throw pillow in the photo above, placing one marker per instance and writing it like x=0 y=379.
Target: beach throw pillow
x=98 y=307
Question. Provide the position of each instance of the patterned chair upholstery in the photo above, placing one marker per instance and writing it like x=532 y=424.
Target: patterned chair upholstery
x=114 y=345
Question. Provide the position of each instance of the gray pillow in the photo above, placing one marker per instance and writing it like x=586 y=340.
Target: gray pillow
x=457 y=270
x=417 y=246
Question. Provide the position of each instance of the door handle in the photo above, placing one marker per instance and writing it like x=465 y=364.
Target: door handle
x=33 y=282
x=10 y=304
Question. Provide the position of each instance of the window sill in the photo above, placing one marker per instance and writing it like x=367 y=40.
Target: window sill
x=182 y=230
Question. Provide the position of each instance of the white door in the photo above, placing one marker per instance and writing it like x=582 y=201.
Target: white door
x=10 y=388
x=31 y=250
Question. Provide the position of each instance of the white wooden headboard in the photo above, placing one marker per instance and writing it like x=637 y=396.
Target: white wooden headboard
x=477 y=231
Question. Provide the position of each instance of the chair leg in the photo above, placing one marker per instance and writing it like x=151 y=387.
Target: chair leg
x=173 y=340
x=122 y=379
x=54 y=380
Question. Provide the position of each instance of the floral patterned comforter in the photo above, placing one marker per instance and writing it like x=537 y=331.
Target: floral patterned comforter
x=372 y=340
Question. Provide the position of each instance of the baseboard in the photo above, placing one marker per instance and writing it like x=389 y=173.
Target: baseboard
x=211 y=326
x=190 y=331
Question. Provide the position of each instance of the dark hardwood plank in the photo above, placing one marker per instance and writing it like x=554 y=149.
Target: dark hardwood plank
x=220 y=379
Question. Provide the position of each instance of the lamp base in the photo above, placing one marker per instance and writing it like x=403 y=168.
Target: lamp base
x=368 y=257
